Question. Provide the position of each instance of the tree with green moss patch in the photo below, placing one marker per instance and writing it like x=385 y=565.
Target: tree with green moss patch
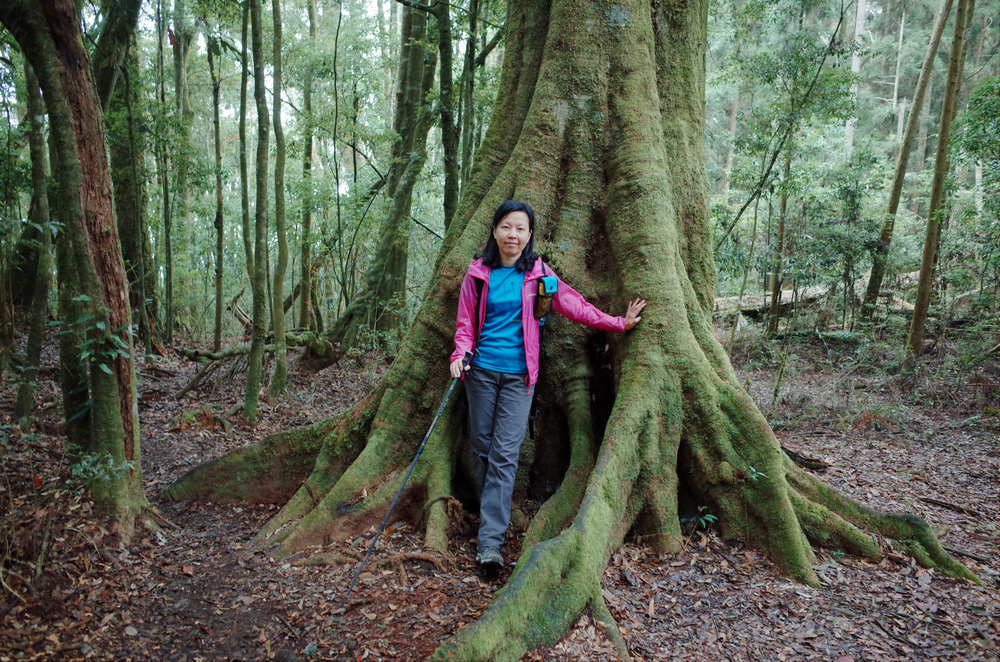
x=105 y=429
x=599 y=124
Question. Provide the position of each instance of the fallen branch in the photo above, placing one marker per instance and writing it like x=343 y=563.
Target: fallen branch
x=951 y=506
x=964 y=552
x=806 y=462
x=200 y=375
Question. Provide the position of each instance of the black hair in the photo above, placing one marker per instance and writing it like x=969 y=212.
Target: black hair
x=491 y=253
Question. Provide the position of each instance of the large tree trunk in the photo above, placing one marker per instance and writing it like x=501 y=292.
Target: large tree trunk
x=915 y=339
x=48 y=32
x=599 y=123
x=881 y=256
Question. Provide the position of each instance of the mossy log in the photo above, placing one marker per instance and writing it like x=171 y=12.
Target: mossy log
x=599 y=125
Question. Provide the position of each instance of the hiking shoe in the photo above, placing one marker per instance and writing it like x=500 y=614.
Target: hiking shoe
x=489 y=558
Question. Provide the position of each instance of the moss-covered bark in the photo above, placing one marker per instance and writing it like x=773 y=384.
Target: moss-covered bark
x=24 y=406
x=599 y=125
x=49 y=35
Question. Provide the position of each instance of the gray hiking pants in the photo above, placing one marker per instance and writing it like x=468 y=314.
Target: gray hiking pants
x=499 y=404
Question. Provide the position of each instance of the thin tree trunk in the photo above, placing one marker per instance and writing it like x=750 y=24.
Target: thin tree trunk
x=881 y=255
x=920 y=157
x=278 y=380
x=900 y=123
x=163 y=173
x=733 y=112
x=24 y=405
x=305 y=279
x=181 y=43
x=248 y=241
x=899 y=61
x=449 y=136
x=859 y=30
x=213 y=47
x=467 y=103
x=956 y=62
x=258 y=278
x=136 y=252
x=779 y=253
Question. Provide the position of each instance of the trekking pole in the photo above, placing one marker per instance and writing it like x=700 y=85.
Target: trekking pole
x=420 y=449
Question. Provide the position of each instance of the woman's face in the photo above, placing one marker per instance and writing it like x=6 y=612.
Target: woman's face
x=512 y=234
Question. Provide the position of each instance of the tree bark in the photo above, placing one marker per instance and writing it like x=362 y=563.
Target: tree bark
x=163 y=174
x=306 y=276
x=921 y=152
x=280 y=376
x=599 y=123
x=258 y=276
x=733 y=112
x=860 y=16
x=915 y=339
x=181 y=43
x=114 y=40
x=774 y=314
x=881 y=255
x=248 y=242
x=449 y=135
x=466 y=97
x=48 y=32
x=127 y=147
x=899 y=61
x=24 y=404
x=213 y=49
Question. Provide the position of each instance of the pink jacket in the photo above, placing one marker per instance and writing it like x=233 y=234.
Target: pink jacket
x=567 y=302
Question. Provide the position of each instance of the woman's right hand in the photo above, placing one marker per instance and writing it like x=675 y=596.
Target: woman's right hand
x=456 y=368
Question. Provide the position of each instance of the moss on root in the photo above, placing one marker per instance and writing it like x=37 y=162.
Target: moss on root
x=590 y=129
x=266 y=472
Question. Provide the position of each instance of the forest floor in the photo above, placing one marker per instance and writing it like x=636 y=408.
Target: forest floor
x=192 y=590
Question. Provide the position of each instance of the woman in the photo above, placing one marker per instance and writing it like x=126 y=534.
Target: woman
x=497 y=325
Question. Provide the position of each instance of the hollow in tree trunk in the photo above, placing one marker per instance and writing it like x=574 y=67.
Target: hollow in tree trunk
x=599 y=124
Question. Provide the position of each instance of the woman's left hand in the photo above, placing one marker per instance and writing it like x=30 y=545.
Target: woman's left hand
x=632 y=316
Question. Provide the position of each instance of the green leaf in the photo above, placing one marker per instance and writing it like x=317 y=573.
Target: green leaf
x=82 y=297
x=105 y=368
